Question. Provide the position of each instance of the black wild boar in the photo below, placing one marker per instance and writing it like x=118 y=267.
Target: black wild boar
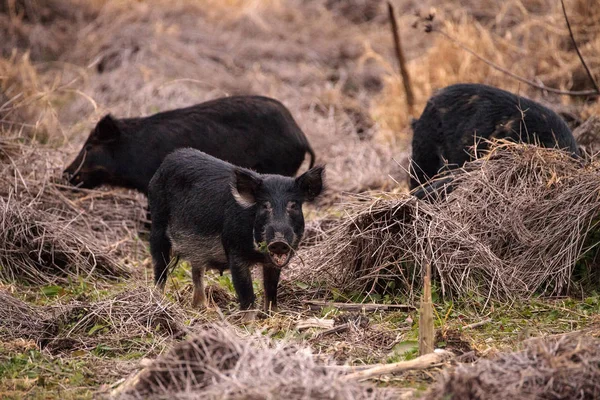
x=216 y=215
x=459 y=116
x=249 y=131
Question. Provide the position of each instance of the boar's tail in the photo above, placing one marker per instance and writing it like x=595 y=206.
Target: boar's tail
x=312 y=157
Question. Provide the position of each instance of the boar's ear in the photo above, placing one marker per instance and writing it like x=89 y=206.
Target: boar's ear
x=244 y=187
x=310 y=183
x=107 y=130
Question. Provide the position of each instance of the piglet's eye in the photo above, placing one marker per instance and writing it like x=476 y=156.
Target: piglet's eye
x=88 y=147
x=292 y=205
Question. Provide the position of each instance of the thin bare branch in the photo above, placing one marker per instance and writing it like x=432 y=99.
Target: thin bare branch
x=509 y=73
x=587 y=70
x=410 y=98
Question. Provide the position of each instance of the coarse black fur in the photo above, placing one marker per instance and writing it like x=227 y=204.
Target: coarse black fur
x=216 y=215
x=459 y=116
x=249 y=131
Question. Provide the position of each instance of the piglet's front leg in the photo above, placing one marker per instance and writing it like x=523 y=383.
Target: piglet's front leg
x=270 y=282
x=242 y=282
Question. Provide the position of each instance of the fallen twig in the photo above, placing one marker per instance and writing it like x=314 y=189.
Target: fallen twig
x=358 y=306
x=422 y=362
x=335 y=329
x=477 y=324
x=314 y=323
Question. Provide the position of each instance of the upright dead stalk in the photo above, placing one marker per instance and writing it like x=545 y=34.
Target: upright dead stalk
x=426 y=331
x=410 y=98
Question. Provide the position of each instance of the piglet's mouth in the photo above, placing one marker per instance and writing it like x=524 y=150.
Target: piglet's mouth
x=279 y=259
x=279 y=253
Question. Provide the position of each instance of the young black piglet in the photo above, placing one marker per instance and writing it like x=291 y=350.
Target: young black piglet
x=216 y=215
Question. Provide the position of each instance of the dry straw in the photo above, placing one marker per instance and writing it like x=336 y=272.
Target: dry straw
x=139 y=319
x=218 y=364
x=563 y=368
x=514 y=226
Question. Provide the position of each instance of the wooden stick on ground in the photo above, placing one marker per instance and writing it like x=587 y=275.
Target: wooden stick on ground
x=315 y=323
x=422 y=362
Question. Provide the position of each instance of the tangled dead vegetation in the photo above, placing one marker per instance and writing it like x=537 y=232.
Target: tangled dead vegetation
x=515 y=225
x=218 y=364
x=136 y=320
x=50 y=233
x=563 y=368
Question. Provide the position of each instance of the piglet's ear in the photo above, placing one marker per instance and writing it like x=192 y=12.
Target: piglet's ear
x=310 y=183
x=244 y=187
x=107 y=130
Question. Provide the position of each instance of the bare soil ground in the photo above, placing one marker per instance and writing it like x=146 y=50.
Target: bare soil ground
x=71 y=329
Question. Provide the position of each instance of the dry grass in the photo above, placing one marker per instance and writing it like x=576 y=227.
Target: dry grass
x=564 y=368
x=145 y=59
x=331 y=63
x=514 y=226
x=219 y=364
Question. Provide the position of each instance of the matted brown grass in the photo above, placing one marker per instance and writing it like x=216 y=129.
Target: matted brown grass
x=138 y=319
x=219 y=364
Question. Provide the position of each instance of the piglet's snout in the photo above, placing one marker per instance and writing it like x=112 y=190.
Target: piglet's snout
x=279 y=252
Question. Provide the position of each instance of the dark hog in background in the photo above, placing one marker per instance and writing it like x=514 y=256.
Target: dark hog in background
x=458 y=117
x=249 y=131
x=216 y=215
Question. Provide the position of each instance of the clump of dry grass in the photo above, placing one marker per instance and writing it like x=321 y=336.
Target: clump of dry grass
x=43 y=247
x=218 y=364
x=563 y=368
x=49 y=234
x=138 y=319
x=515 y=225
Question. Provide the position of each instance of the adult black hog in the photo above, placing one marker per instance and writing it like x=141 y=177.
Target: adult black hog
x=459 y=116
x=216 y=215
x=249 y=131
